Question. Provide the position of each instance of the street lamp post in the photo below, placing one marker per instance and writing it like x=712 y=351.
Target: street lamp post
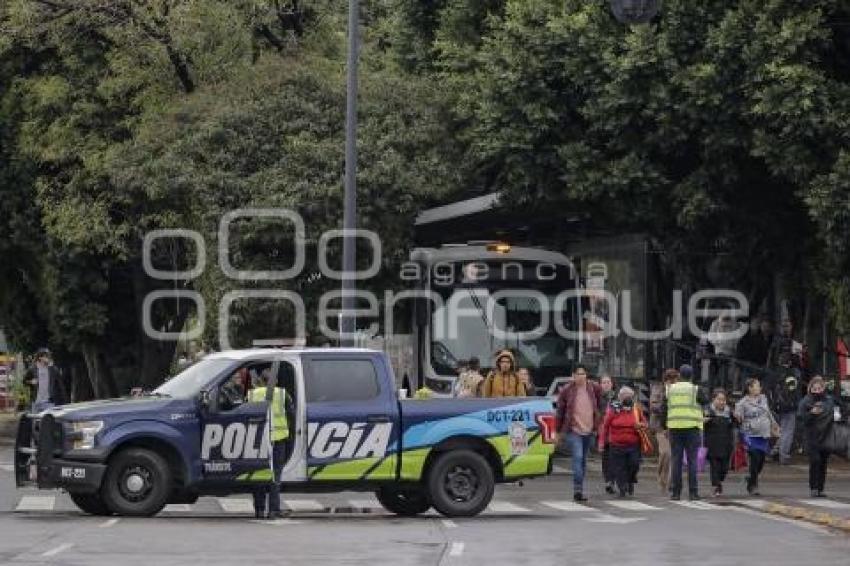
x=349 y=253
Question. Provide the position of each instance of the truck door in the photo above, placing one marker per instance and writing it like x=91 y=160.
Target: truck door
x=352 y=425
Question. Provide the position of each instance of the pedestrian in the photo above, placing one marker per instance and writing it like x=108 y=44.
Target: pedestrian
x=785 y=353
x=606 y=396
x=503 y=380
x=576 y=416
x=44 y=382
x=786 y=401
x=619 y=431
x=469 y=382
x=757 y=426
x=719 y=439
x=817 y=413
x=683 y=418
x=278 y=435
x=662 y=435
x=525 y=381
x=754 y=347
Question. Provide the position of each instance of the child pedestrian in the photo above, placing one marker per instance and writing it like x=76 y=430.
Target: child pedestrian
x=620 y=431
x=719 y=439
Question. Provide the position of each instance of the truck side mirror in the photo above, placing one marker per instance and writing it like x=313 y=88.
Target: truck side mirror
x=204 y=399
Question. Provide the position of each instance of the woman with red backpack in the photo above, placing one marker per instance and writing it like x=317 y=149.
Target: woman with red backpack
x=621 y=432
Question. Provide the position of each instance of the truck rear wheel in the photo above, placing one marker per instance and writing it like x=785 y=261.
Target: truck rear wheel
x=90 y=503
x=137 y=483
x=406 y=502
x=460 y=483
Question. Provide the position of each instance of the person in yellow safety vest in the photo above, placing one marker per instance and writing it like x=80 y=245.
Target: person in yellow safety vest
x=683 y=418
x=279 y=435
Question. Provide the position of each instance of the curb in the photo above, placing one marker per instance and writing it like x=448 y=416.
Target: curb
x=809 y=516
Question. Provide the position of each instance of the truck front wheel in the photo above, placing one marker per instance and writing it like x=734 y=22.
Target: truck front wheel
x=137 y=483
x=460 y=483
x=90 y=503
x=406 y=502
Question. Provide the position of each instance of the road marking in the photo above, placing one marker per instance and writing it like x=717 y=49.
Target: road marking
x=701 y=505
x=7 y=467
x=304 y=505
x=632 y=506
x=605 y=518
x=506 y=507
x=825 y=503
x=108 y=523
x=364 y=504
x=560 y=470
x=568 y=506
x=276 y=522
x=236 y=505
x=177 y=508
x=449 y=524
x=796 y=523
x=36 y=503
x=61 y=548
x=457 y=549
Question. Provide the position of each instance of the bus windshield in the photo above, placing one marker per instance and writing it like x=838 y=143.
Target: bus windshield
x=467 y=325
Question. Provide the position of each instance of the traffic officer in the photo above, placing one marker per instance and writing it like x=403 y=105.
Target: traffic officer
x=683 y=419
x=279 y=435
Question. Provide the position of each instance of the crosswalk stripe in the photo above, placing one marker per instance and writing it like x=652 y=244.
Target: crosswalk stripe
x=7 y=467
x=304 y=505
x=825 y=503
x=236 y=505
x=559 y=470
x=177 y=508
x=701 y=505
x=36 y=503
x=365 y=504
x=506 y=507
x=569 y=506
x=632 y=506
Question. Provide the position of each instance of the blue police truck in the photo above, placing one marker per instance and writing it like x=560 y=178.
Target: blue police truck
x=198 y=434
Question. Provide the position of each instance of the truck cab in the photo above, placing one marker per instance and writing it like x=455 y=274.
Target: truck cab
x=200 y=434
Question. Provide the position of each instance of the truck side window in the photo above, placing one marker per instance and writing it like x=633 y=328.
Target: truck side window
x=342 y=380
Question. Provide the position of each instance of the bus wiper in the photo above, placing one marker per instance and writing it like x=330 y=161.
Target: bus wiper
x=483 y=313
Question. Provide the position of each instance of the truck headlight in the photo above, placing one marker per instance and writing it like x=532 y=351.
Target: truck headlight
x=83 y=433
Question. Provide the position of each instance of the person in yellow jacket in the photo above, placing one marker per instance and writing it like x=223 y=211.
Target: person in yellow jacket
x=683 y=419
x=278 y=438
x=503 y=380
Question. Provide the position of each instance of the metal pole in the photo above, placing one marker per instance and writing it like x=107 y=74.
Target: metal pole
x=349 y=254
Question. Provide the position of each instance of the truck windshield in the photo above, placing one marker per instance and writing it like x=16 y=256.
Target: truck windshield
x=189 y=382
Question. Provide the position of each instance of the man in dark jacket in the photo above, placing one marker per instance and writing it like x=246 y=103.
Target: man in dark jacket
x=576 y=419
x=817 y=413
x=786 y=401
x=44 y=383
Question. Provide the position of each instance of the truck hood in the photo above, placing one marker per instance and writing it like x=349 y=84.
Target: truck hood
x=110 y=408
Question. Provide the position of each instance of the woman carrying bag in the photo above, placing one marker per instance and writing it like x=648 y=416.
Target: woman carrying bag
x=817 y=410
x=758 y=426
x=621 y=431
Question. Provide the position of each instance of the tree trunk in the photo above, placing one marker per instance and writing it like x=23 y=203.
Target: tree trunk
x=99 y=373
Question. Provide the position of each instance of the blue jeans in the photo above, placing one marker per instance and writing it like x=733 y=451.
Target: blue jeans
x=787 y=424
x=681 y=441
x=579 y=446
x=272 y=489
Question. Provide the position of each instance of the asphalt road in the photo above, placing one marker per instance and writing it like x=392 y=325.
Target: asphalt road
x=532 y=524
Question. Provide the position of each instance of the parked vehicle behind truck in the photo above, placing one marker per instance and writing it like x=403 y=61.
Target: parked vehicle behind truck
x=197 y=435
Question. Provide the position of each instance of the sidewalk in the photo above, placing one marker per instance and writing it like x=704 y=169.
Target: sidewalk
x=8 y=427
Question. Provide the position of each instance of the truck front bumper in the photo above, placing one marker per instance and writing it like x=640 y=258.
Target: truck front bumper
x=39 y=460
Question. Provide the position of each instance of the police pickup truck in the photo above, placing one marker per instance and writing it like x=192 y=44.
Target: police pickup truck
x=198 y=435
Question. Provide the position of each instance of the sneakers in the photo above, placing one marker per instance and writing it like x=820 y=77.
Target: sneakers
x=718 y=491
x=694 y=497
x=609 y=488
x=278 y=515
x=579 y=497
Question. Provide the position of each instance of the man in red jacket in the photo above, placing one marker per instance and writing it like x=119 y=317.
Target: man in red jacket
x=576 y=418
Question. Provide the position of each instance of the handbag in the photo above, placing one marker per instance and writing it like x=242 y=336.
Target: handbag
x=646 y=447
